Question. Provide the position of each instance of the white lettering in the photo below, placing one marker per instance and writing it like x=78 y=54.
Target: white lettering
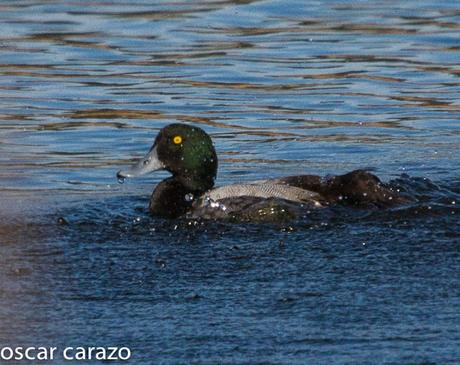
x=18 y=353
x=80 y=354
x=66 y=356
x=128 y=353
x=89 y=355
x=52 y=351
x=101 y=353
x=27 y=353
x=44 y=353
x=35 y=354
x=8 y=350
x=112 y=355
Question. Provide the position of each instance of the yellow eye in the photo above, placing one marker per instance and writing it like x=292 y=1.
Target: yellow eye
x=177 y=140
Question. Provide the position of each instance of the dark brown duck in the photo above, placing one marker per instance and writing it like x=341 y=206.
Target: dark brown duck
x=187 y=152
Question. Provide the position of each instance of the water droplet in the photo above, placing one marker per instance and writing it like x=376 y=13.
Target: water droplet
x=146 y=162
x=62 y=221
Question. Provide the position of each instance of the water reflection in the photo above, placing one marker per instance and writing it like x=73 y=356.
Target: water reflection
x=310 y=81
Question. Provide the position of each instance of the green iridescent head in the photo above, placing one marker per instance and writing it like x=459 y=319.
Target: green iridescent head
x=185 y=151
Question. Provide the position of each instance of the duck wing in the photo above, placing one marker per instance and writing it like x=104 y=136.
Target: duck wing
x=256 y=202
x=306 y=182
x=357 y=188
x=265 y=190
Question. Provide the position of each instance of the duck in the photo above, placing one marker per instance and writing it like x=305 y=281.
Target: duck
x=188 y=153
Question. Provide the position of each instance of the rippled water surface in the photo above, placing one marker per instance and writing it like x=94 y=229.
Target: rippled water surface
x=283 y=87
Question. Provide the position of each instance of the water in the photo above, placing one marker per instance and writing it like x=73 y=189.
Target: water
x=283 y=87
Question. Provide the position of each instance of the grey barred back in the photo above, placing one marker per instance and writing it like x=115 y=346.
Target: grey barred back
x=265 y=190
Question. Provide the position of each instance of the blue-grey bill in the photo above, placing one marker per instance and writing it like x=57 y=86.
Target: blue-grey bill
x=148 y=163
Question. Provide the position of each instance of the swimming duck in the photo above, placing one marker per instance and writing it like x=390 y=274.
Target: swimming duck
x=187 y=152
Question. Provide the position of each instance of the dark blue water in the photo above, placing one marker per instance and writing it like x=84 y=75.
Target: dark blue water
x=283 y=87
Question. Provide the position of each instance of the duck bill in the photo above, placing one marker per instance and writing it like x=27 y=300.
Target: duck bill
x=148 y=163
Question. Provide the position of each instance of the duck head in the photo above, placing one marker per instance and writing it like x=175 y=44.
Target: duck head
x=186 y=152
